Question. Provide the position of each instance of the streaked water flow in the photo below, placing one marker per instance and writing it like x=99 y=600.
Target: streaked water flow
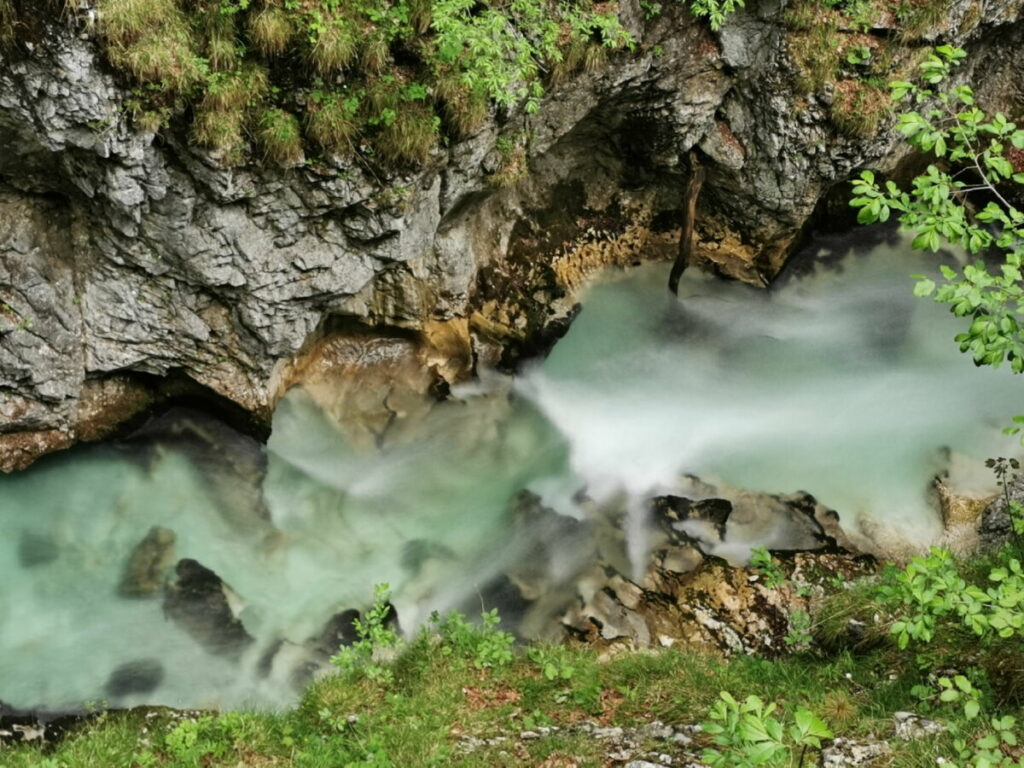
x=836 y=382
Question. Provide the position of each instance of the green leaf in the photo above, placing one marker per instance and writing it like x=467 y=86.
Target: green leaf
x=924 y=287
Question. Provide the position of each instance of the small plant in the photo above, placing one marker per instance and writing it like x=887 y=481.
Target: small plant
x=748 y=734
x=552 y=662
x=959 y=689
x=990 y=750
x=858 y=55
x=715 y=11
x=371 y=654
x=799 y=634
x=486 y=646
x=761 y=560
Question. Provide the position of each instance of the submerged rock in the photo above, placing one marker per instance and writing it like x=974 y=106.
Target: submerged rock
x=198 y=602
x=35 y=549
x=140 y=676
x=149 y=565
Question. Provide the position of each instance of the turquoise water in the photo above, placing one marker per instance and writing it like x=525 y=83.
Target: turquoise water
x=836 y=382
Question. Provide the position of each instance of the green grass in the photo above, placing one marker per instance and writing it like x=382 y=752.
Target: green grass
x=410 y=136
x=332 y=123
x=280 y=137
x=221 y=130
x=858 y=110
x=436 y=698
x=334 y=47
x=459 y=683
x=271 y=31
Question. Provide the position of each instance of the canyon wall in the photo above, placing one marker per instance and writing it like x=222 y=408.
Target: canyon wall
x=135 y=267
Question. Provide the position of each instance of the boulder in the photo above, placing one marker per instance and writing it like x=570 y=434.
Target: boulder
x=149 y=565
x=35 y=549
x=198 y=602
x=135 y=677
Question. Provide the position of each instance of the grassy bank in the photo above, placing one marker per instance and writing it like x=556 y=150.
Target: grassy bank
x=462 y=695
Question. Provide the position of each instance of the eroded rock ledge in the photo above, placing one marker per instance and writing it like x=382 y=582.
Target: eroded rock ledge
x=127 y=259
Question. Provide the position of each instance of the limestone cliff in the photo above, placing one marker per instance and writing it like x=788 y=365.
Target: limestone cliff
x=135 y=267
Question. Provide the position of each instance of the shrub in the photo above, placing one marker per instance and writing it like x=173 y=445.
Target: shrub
x=279 y=137
x=748 y=734
x=375 y=636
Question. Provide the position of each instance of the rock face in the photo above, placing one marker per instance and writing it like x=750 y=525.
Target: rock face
x=127 y=260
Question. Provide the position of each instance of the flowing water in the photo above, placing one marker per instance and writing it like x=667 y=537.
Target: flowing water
x=836 y=382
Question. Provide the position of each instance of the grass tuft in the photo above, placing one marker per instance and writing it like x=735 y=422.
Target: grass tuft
x=858 y=108
x=420 y=15
x=222 y=53
x=410 y=136
x=237 y=89
x=595 y=56
x=919 y=17
x=271 y=31
x=279 y=137
x=332 y=123
x=334 y=48
x=220 y=130
x=152 y=41
x=815 y=53
x=376 y=54
x=464 y=110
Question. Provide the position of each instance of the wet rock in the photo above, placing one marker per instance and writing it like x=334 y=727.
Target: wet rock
x=715 y=518
x=135 y=677
x=994 y=525
x=290 y=664
x=957 y=508
x=672 y=511
x=35 y=549
x=716 y=607
x=231 y=463
x=201 y=604
x=339 y=631
x=149 y=565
